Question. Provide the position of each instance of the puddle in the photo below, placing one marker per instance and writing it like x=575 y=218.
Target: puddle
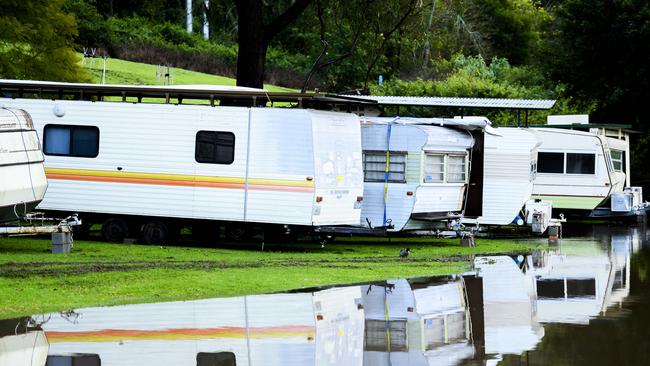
x=582 y=302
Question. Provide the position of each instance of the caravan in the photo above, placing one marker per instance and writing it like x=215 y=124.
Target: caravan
x=575 y=170
x=509 y=174
x=157 y=167
x=417 y=170
x=22 y=177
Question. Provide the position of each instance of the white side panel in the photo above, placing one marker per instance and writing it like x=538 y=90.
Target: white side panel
x=592 y=187
x=338 y=170
x=24 y=349
x=507 y=177
x=340 y=332
x=399 y=205
x=291 y=310
x=22 y=176
x=281 y=159
x=508 y=299
x=144 y=139
x=439 y=298
x=442 y=197
x=398 y=299
x=172 y=321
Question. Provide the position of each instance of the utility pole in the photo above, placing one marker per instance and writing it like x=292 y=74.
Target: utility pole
x=206 y=24
x=188 y=15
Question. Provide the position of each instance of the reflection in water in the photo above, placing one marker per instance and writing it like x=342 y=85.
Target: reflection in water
x=583 y=302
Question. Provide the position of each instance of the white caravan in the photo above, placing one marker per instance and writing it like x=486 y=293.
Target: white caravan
x=162 y=166
x=510 y=161
x=23 y=349
x=426 y=179
x=320 y=328
x=574 y=288
x=428 y=323
x=22 y=177
x=574 y=170
x=509 y=306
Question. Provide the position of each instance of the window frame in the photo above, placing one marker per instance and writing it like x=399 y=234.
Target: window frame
x=71 y=144
x=620 y=160
x=565 y=162
x=445 y=167
x=215 y=144
x=383 y=154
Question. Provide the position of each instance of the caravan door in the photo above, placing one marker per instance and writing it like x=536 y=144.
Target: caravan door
x=338 y=172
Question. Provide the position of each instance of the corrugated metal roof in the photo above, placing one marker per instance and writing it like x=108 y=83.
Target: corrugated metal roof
x=458 y=102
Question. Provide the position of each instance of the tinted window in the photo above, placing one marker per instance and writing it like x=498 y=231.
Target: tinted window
x=77 y=141
x=374 y=166
x=77 y=359
x=581 y=288
x=550 y=289
x=216 y=359
x=548 y=162
x=580 y=163
x=215 y=147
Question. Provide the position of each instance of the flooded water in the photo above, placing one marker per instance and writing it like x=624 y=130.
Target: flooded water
x=583 y=302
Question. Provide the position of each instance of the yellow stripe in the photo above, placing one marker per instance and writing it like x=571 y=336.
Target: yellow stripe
x=179 y=177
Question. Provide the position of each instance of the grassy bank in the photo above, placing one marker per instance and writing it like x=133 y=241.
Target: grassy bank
x=33 y=281
x=137 y=73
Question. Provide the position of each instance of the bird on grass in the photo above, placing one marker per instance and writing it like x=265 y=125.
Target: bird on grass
x=404 y=253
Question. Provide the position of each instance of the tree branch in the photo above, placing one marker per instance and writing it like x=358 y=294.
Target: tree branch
x=387 y=36
x=283 y=20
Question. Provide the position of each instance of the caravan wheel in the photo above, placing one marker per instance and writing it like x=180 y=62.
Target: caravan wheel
x=155 y=232
x=237 y=232
x=114 y=230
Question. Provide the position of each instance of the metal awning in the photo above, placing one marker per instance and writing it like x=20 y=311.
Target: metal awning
x=16 y=88
x=499 y=103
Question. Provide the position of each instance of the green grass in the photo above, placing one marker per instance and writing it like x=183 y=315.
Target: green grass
x=32 y=280
x=136 y=73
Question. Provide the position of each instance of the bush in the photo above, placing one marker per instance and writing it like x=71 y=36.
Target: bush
x=473 y=77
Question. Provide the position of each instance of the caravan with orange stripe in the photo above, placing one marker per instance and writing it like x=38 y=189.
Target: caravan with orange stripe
x=147 y=170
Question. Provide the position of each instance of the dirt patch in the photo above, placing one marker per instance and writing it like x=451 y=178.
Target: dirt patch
x=26 y=269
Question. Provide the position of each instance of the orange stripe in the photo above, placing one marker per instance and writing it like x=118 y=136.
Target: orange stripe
x=179 y=333
x=171 y=182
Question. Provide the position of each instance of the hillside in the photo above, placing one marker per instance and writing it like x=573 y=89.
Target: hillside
x=135 y=73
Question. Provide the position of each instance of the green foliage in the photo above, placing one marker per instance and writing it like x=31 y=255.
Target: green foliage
x=473 y=77
x=600 y=50
x=36 y=42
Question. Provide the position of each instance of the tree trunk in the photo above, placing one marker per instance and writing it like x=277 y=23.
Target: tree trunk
x=252 y=44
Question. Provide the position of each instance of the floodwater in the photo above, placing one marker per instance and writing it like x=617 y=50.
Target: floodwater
x=584 y=302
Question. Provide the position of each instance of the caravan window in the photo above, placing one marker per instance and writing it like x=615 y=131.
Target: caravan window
x=550 y=162
x=440 y=168
x=374 y=166
x=456 y=168
x=377 y=340
x=77 y=141
x=215 y=147
x=434 y=168
x=580 y=163
x=618 y=158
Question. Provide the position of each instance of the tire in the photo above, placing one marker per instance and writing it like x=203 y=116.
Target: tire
x=237 y=232
x=156 y=232
x=114 y=230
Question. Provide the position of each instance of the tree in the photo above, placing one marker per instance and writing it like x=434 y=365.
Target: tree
x=601 y=52
x=36 y=42
x=255 y=33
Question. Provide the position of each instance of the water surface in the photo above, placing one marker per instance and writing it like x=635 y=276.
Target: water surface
x=583 y=302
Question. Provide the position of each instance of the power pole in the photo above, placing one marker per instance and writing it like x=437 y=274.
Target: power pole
x=188 y=15
x=206 y=24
